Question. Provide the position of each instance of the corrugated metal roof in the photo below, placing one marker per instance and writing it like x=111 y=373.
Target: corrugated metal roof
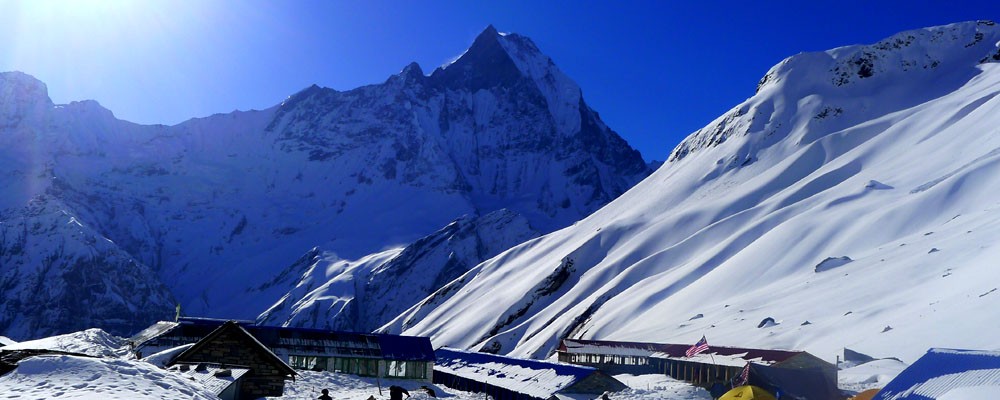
x=943 y=371
x=531 y=377
x=736 y=356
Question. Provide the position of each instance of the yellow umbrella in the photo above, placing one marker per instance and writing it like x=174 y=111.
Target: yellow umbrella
x=865 y=395
x=747 y=392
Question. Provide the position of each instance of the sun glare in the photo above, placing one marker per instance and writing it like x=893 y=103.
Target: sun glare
x=71 y=15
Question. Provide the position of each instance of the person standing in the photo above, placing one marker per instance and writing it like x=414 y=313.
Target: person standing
x=325 y=395
x=396 y=393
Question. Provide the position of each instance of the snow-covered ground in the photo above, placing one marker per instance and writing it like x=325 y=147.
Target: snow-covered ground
x=92 y=342
x=870 y=375
x=71 y=377
x=309 y=384
x=651 y=387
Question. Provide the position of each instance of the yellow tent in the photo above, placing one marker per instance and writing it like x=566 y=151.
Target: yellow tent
x=746 y=393
x=865 y=395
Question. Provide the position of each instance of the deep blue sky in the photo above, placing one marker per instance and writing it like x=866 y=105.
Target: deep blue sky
x=655 y=70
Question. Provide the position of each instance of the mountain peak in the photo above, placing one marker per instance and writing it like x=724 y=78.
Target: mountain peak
x=901 y=71
x=18 y=77
x=412 y=70
x=934 y=51
x=485 y=42
x=21 y=94
x=489 y=31
x=306 y=93
x=23 y=85
x=485 y=64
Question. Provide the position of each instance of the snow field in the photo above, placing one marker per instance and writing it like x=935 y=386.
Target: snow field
x=895 y=171
x=871 y=375
x=309 y=384
x=71 y=377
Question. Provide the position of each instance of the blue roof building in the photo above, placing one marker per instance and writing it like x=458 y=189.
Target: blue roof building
x=946 y=374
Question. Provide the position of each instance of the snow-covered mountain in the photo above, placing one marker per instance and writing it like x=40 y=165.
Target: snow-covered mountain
x=853 y=200
x=58 y=274
x=216 y=207
x=362 y=295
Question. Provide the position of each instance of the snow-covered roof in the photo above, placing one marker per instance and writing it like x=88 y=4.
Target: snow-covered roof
x=717 y=355
x=216 y=378
x=162 y=358
x=531 y=377
x=946 y=374
x=92 y=342
x=152 y=331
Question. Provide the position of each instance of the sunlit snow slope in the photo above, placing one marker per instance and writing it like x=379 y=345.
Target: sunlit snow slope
x=854 y=199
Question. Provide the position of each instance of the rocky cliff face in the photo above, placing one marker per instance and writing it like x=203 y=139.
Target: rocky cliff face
x=499 y=122
x=216 y=206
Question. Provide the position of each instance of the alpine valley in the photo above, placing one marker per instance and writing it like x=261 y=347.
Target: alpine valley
x=330 y=209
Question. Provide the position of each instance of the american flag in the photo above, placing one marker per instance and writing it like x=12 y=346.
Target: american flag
x=744 y=376
x=699 y=347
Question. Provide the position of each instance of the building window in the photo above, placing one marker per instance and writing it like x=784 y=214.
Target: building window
x=304 y=362
x=355 y=366
x=406 y=369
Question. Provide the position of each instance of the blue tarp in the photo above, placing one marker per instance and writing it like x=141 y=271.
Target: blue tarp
x=943 y=370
